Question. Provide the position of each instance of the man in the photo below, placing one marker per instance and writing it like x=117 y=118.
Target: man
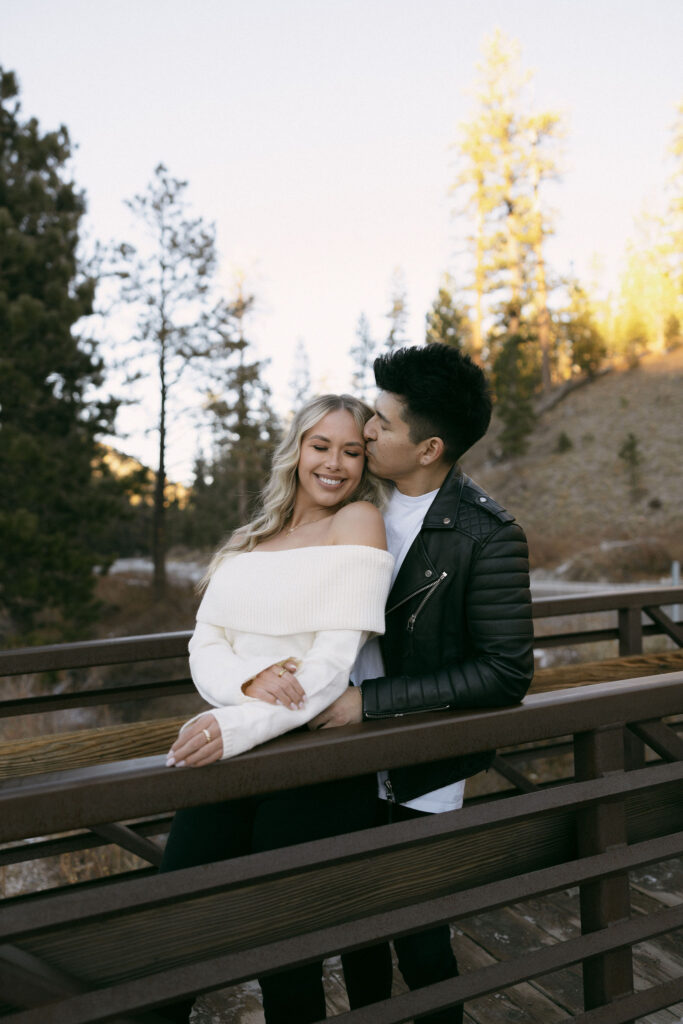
x=458 y=619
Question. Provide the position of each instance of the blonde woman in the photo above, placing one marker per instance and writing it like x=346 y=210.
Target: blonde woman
x=289 y=601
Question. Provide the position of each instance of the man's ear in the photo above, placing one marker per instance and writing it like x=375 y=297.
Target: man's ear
x=432 y=450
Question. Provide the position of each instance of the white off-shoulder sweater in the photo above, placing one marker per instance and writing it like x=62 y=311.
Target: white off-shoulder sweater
x=315 y=605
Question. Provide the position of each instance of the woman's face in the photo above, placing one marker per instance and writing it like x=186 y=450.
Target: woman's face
x=332 y=460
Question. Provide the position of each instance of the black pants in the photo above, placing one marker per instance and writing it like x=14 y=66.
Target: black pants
x=423 y=958
x=233 y=828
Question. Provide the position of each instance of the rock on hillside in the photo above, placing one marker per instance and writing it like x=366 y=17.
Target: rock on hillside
x=572 y=490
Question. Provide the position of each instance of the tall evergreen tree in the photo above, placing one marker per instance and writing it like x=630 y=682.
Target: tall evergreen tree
x=398 y=311
x=516 y=374
x=446 y=321
x=506 y=153
x=300 y=378
x=55 y=503
x=580 y=332
x=675 y=211
x=168 y=282
x=245 y=430
x=363 y=356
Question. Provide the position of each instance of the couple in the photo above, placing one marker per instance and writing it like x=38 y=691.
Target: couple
x=290 y=604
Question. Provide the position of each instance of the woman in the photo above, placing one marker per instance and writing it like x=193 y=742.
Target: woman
x=289 y=601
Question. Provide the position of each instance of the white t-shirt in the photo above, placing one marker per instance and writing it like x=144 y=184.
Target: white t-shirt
x=403 y=518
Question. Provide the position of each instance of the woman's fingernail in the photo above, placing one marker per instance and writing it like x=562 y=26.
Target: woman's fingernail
x=180 y=764
x=170 y=760
x=301 y=704
x=293 y=706
x=278 y=701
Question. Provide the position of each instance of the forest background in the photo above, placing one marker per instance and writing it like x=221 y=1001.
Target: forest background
x=586 y=370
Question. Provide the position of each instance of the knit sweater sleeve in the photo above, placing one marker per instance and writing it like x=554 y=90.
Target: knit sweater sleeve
x=324 y=675
x=217 y=671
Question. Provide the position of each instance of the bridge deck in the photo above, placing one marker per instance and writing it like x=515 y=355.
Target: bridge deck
x=500 y=935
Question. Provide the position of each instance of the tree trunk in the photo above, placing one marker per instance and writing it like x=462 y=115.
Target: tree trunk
x=159 y=515
x=541 y=286
x=477 y=327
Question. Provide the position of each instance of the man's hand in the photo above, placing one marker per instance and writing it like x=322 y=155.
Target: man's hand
x=346 y=710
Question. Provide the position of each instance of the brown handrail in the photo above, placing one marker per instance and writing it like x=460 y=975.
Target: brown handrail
x=128 y=789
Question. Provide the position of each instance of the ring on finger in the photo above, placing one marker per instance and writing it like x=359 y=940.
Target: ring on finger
x=281 y=672
x=207 y=734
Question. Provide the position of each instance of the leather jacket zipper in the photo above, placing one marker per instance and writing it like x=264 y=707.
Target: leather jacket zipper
x=420 y=590
x=432 y=587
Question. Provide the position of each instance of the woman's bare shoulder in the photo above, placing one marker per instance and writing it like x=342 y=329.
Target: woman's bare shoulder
x=359 y=523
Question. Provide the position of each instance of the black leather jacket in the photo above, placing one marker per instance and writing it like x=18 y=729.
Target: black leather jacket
x=458 y=625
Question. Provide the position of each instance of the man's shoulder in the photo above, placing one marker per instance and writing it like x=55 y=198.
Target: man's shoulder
x=474 y=497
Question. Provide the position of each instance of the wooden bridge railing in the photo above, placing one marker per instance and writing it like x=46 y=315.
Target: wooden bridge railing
x=123 y=947
x=119 y=948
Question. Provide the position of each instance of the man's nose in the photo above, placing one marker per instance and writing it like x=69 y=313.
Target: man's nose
x=370 y=433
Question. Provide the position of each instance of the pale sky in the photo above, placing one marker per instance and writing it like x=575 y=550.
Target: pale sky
x=316 y=135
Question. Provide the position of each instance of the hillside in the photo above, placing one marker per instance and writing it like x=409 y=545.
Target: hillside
x=584 y=500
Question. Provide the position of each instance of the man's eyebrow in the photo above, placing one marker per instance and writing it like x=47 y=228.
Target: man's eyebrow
x=347 y=444
x=380 y=415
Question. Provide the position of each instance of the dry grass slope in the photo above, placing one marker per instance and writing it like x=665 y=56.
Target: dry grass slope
x=572 y=500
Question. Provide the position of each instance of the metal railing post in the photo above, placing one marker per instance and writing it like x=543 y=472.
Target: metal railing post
x=602 y=827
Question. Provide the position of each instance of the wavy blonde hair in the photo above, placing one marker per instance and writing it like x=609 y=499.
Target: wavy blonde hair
x=278 y=495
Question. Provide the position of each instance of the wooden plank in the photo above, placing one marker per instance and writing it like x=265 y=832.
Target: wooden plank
x=526 y=1001
x=671 y=628
x=559 y=677
x=661 y=738
x=85 y=747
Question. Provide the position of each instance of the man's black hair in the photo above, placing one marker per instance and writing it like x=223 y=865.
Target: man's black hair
x=444 y=394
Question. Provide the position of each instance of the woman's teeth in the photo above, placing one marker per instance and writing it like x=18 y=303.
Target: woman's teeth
x=329 y=481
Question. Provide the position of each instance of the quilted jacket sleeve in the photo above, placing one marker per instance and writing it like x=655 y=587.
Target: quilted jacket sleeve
x=499 y=664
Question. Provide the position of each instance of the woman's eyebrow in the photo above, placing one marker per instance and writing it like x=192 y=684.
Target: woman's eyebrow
x=347 y=444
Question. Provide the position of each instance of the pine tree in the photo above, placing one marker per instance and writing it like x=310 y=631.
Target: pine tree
x=300 y=378
x=580 y=333
x=245 y=430
x=516 y=374
x=363 y=356
x=446 y=321
x=675 y=210
x=506 y=153
x=168 y=284
x=56 y=499
x=398 y=312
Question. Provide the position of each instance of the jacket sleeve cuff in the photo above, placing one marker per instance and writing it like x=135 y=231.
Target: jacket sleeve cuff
x=378 y=698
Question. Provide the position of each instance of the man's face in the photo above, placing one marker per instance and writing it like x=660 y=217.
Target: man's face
x=391 y=454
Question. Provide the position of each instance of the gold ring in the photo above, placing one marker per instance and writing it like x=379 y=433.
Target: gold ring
x=280 y=674
x=207 y=734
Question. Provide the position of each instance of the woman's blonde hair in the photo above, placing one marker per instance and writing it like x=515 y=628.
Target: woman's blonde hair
x=277 y=497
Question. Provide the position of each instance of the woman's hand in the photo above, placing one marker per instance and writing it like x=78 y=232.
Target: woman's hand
x=200 y=743
x=277 y=685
